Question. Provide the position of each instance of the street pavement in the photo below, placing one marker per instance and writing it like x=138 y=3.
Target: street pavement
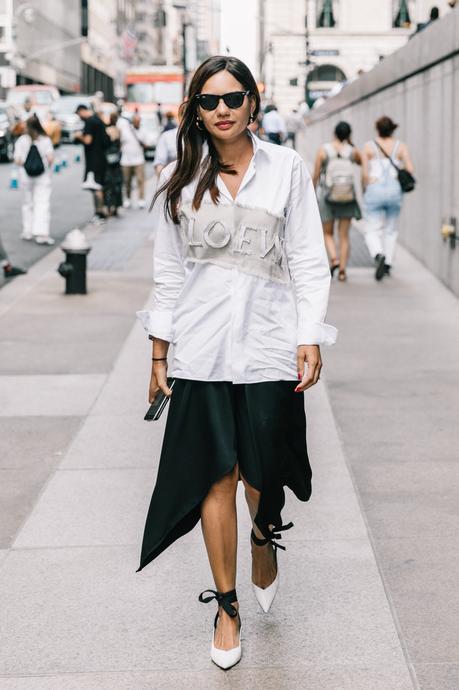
x=368 y=595
x=71 y=206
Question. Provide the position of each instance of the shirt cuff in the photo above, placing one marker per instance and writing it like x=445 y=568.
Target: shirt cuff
x=316 y=334
x=157 y=323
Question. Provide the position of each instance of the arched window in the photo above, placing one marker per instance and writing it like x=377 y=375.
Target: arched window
x=327 y=73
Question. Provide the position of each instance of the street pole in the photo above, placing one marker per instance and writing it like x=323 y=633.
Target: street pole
x=184 y=61
x=307 y=47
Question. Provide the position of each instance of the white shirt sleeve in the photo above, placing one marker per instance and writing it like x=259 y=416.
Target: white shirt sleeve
x=21 y=148
x=168 y=271
x=307 y=260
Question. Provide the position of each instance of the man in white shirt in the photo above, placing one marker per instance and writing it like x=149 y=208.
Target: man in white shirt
x=132 y=159
x=274 y=125
x=295 y=124
x=166 y=150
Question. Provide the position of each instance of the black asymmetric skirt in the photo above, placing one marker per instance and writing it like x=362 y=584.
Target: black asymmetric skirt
x=211 y=426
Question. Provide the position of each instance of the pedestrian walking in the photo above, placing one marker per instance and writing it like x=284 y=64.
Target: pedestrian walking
x=274 y=125
x=294 y=124
x=96 y=141
x=334 y=180
x=383 y=158
x=170 y=122
x=9 y=271
x=166 y=150
x=241 y=287
x=34 y=153
x=132 y=159
x=113 y=189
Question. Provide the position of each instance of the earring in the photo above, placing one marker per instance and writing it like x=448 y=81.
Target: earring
x=251 y=118
x=199 y=124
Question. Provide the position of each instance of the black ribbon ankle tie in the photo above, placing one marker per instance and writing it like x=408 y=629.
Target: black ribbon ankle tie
x=273 y=534
x=224 y=600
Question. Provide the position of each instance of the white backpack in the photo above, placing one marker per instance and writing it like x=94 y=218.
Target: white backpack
x=339 y=177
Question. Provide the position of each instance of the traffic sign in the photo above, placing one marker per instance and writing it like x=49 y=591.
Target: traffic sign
x=325 y=52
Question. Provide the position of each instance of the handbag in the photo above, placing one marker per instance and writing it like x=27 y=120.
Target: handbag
x=406 y=179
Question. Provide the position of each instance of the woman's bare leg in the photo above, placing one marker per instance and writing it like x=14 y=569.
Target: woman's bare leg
x=330 y=242
x=263 y=560
x=343 y=231
x=219 y=527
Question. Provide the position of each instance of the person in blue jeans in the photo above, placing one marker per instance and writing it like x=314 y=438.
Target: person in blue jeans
x=383 y=197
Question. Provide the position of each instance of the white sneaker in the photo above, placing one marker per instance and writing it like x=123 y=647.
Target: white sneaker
x=142 y=203
x=27 y=237
x=90 y=183
x=42 y=239
x=127 y=203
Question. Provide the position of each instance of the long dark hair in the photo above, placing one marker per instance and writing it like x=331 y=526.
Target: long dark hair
x=34 y=127
x=190 y=138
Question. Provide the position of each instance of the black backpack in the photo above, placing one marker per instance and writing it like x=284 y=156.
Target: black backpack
x=34 y=162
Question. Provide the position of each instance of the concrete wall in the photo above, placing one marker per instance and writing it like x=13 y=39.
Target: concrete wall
x=419 y=88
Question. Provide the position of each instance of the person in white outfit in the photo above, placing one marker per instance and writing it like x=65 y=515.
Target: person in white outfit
x=132 y=159
x=274 y=125
x=383 y=197
x=241 y=288
x=34 y=154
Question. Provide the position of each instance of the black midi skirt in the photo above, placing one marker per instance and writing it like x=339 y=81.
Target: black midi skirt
x=211 y=427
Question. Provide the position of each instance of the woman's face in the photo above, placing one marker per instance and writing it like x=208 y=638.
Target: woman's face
x=224 y=123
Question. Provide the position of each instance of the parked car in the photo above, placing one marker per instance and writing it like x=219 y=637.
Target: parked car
x=64 y=112
x=6 y=134
x=42 y=98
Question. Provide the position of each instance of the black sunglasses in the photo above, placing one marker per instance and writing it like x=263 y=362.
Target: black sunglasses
x=232 y=100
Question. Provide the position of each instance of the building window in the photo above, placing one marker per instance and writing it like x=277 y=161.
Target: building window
x=402 y=19
x=326 y=14
x=327 y=73
x=2 y=34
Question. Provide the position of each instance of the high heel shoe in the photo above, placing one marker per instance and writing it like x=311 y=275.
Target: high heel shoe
x=224 y=658
x=265 y=597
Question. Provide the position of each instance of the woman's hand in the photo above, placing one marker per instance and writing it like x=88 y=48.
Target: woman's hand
x=309 y=364
x=158 y=379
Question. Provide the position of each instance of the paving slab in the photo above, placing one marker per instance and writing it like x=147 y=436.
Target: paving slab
x=393 y=385
x=30 y=449
x=438 y=676
x=278 y=678
x=64 y=395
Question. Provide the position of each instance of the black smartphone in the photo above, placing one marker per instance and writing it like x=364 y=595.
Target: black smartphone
x=159 y=405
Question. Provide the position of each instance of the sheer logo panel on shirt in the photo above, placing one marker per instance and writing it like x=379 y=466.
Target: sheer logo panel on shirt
x=249 y=239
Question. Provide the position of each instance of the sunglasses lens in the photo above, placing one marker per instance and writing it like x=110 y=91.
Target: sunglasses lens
x=208 y=102
x=234 y=100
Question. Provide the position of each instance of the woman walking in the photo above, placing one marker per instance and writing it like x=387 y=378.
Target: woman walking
x=34 y=153
x=242 y=283
x=334 y=180
x=383 y=194
x=113 y=184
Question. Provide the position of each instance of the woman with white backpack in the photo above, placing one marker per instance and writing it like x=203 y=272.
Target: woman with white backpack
x=34 y=153
x=334 y=181
x=387 y=173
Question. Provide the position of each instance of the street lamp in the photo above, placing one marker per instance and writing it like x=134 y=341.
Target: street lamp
x=185 y=24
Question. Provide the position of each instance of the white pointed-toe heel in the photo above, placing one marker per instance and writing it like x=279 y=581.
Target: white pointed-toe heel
x=265 y=597
x=224 y=658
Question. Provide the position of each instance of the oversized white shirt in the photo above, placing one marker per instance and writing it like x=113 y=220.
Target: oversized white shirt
x=166 y=148
x=239 y=285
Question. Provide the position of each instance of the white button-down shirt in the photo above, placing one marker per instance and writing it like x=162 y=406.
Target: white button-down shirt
x=239 y=285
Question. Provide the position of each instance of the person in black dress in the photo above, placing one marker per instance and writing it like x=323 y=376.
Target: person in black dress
x=96 y=141
x=113 y=188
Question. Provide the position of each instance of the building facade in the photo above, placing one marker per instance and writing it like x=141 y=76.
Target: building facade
x=40 y=42
x=344 y=38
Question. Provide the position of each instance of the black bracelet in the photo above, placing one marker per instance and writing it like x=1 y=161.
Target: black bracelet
x=159 y=359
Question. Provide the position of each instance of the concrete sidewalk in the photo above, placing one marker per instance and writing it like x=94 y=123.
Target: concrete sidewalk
x=79 y=463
